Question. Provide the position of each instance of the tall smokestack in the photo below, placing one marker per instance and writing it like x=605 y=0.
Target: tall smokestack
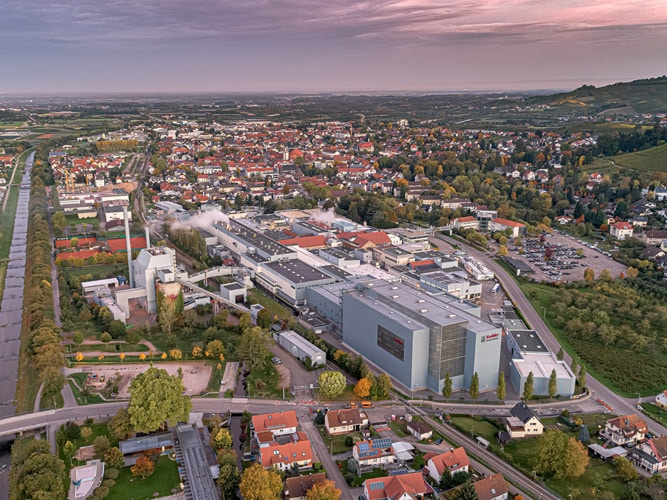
x=148 y=237
x=129 y=247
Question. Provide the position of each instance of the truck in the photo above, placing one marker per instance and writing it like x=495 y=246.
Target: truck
x=495 y=288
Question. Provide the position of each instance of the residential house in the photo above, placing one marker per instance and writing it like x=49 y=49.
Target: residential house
x=455 y=460
x=297 y=487
x=373 y=453
x=624 y=429
x=661 y=400
x=344 y=421
x=621 y=230
x=651 y=455
x=419 y=430
x=523 y=422
x=468 y=222
x=296 y=453
x=492 y=488
x=653 y=237
x=268 y=426
x=401 y=487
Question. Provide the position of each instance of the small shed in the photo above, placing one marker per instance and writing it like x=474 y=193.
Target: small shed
x=419 y=430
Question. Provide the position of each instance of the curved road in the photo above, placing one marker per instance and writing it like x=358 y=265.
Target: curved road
x=618 y=404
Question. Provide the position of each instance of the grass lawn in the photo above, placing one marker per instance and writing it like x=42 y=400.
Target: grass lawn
x=359 y=480
x=655 y=412
x=482 y=428
x=337 y=442
x=263 y=382
x=163 y=481
x=52 y=403
x=97 y=430
x=216 y=376
x=81 y=380
x=274 y=307
x=98 y=271
x=111 y=348
x=347 y=395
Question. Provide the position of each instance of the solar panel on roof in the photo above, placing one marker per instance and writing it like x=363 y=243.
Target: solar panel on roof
x=377 y=486
x=400 y=471
x=363 y=446
x=382 y=443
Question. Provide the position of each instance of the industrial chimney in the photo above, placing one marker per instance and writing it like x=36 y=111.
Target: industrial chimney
x=148 y=236
x=129 y=247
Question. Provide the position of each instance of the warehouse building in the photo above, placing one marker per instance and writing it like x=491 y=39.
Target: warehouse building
x=530 y=354
x=417 y=338
x=300 y=348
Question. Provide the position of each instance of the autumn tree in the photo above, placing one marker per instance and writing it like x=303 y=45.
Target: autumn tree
x=215 y=349
x=624 y=469
x=143 y=467
x=501 y=389
x=324 y=490
x=589 y=274
x=447 y=386
x=474 y=386
x=222 y=439
x=258 y=483
x=155 y=398
x=560 y=455
x=363 y=388
x=331 y=383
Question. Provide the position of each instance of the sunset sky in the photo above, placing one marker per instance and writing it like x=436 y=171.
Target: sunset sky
x=333 y=45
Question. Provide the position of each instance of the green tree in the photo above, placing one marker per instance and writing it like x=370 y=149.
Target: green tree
x=474 y=386
x=581 y=378
x=624 y=469
x=501 y=390
x=574 y=366
x=155 y=398
x=69 y=449
x=215 y=348
x=466 y=492
x=264 y=318
x=167 y=315
x=553 y=383
x=560 y=355
x=78 y=338
x=254 y=348
x=53 y=381
x=528 y=387
x=229 y=477
x=559 y=455
x=117 y=328
x=447 y=386
x=106 y=337
x=382 y=387
x=35 y=473
x=258 y=483
x=113 y=458
x=120 y=425
x=101 y=445
x=132 y=337
x=584 y=435
x=332 y=384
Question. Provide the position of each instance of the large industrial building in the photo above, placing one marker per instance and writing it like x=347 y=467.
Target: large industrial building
x=414 y=336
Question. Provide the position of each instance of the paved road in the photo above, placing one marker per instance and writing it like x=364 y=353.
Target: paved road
x=619 y=405
x=11 y=309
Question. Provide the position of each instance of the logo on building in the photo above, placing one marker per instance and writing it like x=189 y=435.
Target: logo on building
x=490 y=337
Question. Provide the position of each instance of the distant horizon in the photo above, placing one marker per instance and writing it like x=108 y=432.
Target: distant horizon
x=319 y=46
x=549 y=88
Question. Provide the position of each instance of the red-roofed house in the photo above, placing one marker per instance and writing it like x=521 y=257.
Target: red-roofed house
x=621 y=230
x=287 y=456
x=309 y=242
x=278 y=424
x=651 y=455
x=373 y=453
x=499 y=224
x=468 y=222
x=624 y=429
x=364 y=241
x=492 y=488
x=401 y=487
x=455 y=460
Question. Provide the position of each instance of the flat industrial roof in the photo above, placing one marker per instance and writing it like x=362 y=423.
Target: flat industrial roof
x=301 y=343
x=529 y=341
x=297 y=271
x=257 y=239
x=541 y=366
x=198 y=471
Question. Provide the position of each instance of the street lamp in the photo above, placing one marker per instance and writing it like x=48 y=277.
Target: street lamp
x=639 y=398
x=472 y=436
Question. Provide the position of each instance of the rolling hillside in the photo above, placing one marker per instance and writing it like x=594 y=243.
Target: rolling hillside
x=626 y=98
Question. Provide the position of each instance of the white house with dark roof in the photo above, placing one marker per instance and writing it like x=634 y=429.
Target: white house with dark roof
x=523 y=422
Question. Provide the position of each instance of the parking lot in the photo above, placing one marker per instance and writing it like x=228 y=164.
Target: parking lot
x=560 y=257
